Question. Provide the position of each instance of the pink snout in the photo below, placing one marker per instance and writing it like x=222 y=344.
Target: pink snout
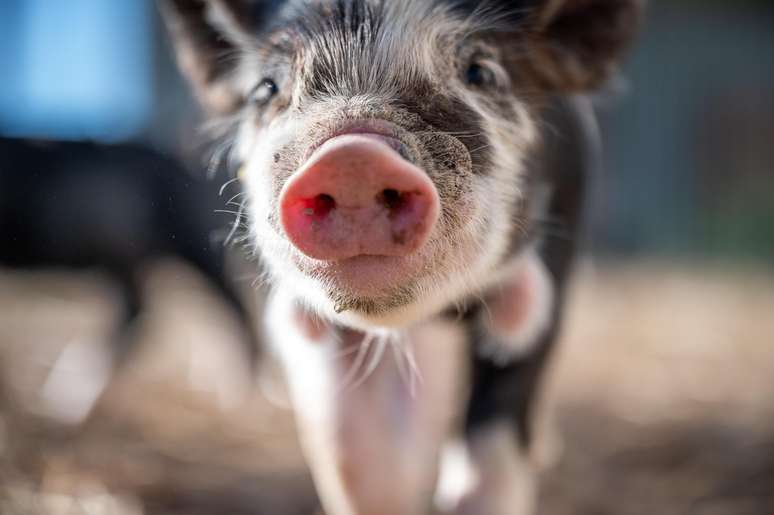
x=357 y=196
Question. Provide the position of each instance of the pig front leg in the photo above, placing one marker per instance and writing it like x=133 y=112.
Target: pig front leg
x=372 y=443
x=511 y=334
x=489 y=473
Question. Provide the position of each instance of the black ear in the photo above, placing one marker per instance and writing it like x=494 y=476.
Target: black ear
x=574 y=45
x=577 y=43
x=206 y=35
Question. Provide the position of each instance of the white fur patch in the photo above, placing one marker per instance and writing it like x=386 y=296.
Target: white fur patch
x=457 y=476
x=77 y=380
x=505 y=483
x=312 y=389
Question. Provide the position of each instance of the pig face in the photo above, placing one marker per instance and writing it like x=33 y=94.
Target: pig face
x=435 y=97
x=384 y=144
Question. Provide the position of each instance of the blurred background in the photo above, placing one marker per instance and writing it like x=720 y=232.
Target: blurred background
x=662 y=390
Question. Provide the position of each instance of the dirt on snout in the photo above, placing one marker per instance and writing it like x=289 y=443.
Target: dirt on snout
x=662 y=394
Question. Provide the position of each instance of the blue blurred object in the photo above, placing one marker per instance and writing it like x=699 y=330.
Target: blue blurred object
x=76 y=69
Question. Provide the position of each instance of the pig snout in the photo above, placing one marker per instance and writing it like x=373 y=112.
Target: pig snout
x=357 y=196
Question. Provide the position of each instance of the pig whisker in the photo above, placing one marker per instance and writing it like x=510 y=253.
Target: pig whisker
x=223 y=129
x=479 y=149
x=376 y=358
x=363 y=350
x=222 y=149
x=252 y=277
x=232 y=199
x=228 y=211
x=259 y=281
x=237 y=222
x=477 y=135
x=416 y=373
x=226 y=185
x=405 y=357
x=400 y=363
x=349 y=350
x=485 y=305
x=459 y=134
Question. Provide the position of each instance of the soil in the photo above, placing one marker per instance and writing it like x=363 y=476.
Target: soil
x=661 y=393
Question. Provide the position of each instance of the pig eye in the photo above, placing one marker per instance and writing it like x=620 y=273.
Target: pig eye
x=263 y=92
x=479 y=75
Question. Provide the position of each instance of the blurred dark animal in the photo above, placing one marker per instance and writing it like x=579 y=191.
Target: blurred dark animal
x=114 y=208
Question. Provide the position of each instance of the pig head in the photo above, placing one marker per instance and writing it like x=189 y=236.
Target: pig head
x=384 y=143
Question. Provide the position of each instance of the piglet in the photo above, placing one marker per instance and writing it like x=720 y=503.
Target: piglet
x=416 y=174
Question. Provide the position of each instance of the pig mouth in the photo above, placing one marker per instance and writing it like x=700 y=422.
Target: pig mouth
x=366 y=279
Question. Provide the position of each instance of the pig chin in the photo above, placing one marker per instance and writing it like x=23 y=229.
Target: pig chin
x=367 y=285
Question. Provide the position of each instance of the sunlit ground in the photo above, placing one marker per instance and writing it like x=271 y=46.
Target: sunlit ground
x=663 y=392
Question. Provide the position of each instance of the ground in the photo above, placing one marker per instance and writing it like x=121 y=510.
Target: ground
x=662 y=393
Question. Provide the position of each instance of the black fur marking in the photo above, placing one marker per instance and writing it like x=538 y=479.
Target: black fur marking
x=508 y=392
x=567 y=155
x=452 y=115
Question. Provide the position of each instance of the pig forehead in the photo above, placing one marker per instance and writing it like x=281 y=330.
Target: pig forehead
x=379 y=32
x=343 y=12
x=387 y=50
x=381 y=48
x=403 y=20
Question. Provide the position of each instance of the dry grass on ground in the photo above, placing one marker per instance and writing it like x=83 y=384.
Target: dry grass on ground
x=663 y=392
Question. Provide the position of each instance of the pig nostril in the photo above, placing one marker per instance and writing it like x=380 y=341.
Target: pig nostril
x=324 y=204
x=391 y=199
x=319 y=206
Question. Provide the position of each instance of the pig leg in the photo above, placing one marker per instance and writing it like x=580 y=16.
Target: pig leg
x=501 y=443
x=497 y=475
x=372 y=444
x=511 y=332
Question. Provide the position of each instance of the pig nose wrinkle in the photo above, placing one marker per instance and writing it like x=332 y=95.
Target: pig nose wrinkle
x=357 y=196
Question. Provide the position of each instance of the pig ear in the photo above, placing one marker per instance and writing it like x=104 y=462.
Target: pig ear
x=206 y=35
x=575 y=44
